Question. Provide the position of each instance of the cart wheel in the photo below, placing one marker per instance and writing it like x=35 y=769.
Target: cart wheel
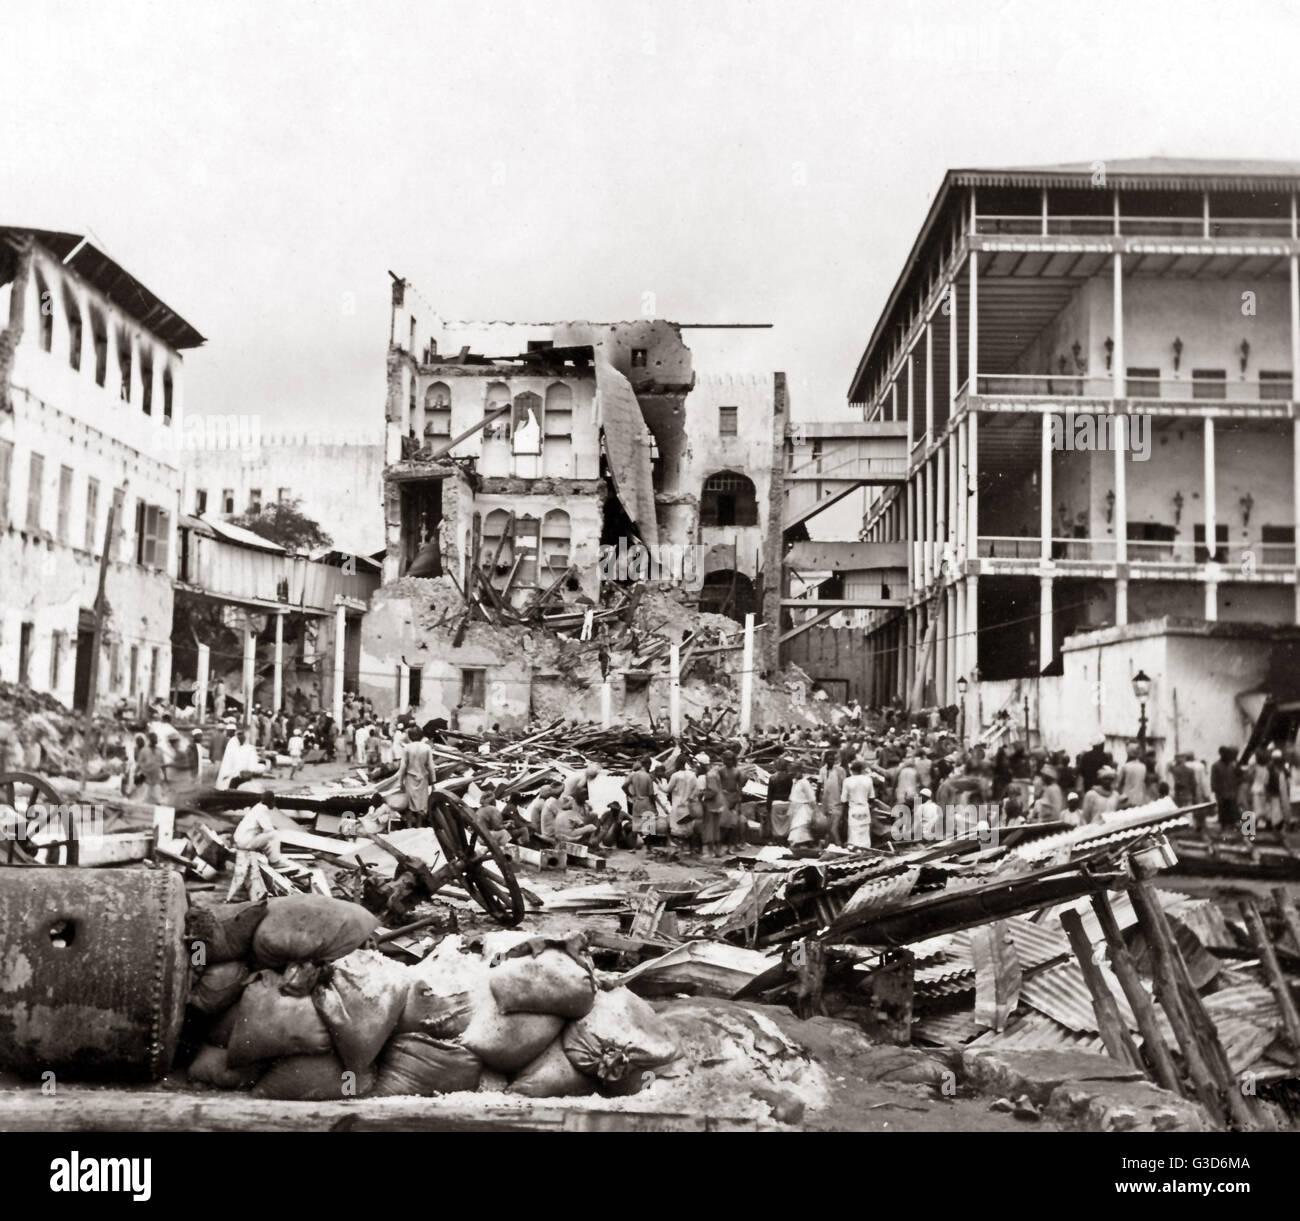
x=478 y=861
x=19 y=793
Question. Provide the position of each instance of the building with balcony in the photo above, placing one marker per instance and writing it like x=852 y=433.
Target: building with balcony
x=278 y=629
x=526 y=454
x=1095 y=365
x=90 y=408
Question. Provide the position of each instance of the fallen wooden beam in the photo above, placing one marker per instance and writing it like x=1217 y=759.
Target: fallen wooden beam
x=75 y=1110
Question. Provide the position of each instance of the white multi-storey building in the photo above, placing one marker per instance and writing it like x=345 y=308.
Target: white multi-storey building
x=1096 y=366
x=90 y=407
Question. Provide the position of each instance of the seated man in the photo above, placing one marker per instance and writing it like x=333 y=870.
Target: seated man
x=490 y=821
x=569 y=826
x=615 y=828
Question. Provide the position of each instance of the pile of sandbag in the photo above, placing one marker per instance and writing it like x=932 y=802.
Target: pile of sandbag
x=292 y=1007
x=285 y=1001
x=532 y=1016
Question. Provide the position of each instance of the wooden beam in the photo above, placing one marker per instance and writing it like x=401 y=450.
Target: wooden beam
x=469 y=432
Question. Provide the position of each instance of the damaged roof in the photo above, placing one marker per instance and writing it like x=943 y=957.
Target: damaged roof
x=77 y=251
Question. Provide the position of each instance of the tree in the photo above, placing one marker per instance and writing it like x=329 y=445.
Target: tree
x=284 y=522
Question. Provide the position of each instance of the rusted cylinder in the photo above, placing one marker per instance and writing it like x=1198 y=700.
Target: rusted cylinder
x=93 y=972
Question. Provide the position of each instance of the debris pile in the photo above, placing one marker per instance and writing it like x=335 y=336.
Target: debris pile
x=289 y=1005
x=37 y=733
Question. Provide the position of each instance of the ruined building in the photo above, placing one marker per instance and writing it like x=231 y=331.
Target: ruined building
x=90 y=407
x=544 y=452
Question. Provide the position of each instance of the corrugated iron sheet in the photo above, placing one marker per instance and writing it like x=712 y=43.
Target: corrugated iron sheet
x=946 y=1029
x=1038 y=1032
x=877 y=894
x=1061 y=993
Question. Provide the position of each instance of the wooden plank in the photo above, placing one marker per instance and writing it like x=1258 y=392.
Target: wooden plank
x=1121 y=962
x=112 y=1110
x=1273 y=973
x=1113 y=1029
x=998 y=974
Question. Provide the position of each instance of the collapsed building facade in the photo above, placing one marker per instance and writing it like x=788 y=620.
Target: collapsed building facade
x=563 y=459
x=1095 y=366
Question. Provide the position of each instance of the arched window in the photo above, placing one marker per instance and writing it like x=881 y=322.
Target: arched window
x=728 y=592
x=495 y=525
x=146 y=380
x=45 y=312
x=124 y=362
x=73 y=312
x=728 y=499
x=556 y=541
x=99 y=334
x=437 y=410
x=527 y=544
x=498 y=396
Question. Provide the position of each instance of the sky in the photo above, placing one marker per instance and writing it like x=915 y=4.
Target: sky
x=262 y=167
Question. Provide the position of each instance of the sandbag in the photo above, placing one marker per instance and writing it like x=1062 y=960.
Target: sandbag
x=422 y=1065
x=312 y=1079
x=439 y=1000
x=452 y=997
x=225 y=930
x=218 y=1033
x=552 y=1075
x=219 y=987
x=310 y=928
x=552 y=982
x=269 y=1024
x=360 y=1003
x=504 y=1041
x=620 y=1034
x=209 y=1067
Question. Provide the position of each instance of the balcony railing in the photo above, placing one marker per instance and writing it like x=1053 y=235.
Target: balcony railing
x=1136 y=226
x=1237 y=556
x=1183 y=389
x=1030 y=547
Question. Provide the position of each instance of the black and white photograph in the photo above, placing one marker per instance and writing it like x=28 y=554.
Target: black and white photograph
x=688 y=568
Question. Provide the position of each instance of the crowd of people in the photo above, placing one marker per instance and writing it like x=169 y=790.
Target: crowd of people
x=864 y=779
x=869 y=783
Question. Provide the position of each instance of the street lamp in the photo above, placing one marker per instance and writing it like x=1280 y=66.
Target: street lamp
x=961 y=710
x=1142 y=689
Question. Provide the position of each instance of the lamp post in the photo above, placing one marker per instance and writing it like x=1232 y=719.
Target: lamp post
x=961 y=711
x=1142 y=689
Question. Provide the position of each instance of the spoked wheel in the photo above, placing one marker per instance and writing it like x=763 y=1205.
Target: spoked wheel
x=478 y=861
x=23 y=797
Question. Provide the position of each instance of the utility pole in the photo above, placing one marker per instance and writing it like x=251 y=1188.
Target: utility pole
x=101 y=609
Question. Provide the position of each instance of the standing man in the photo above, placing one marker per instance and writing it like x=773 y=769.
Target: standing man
x=681 y=791
x=415 y=776
x=859 y=792
x=832 y=779
x=1132 y=780
x=1102 y=799
x=640 y=790
x=1225 y=781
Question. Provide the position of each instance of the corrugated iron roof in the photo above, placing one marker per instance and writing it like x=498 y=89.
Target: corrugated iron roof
x=77 y=251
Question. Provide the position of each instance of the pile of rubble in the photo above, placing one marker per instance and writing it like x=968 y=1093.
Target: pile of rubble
x=37 y=733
